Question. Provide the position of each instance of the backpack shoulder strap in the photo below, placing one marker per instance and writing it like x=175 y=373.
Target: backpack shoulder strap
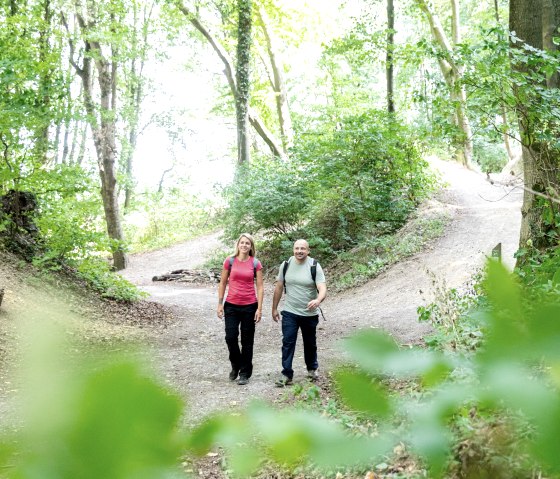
x=284 y=269
x=255 y=264
x=231 y=258
x=314 y=270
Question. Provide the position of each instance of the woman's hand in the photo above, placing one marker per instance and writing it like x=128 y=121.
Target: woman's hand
x=220 y=311
x=258 y=316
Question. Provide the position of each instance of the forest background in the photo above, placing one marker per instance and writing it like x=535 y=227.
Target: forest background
x=317 y=119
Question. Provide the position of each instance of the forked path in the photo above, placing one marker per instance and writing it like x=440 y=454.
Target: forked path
x=191 y=353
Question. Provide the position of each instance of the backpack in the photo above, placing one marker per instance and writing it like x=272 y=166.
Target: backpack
x=313 y=271
x=255 y=264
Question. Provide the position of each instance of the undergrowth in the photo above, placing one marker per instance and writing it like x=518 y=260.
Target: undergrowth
x=359 y=265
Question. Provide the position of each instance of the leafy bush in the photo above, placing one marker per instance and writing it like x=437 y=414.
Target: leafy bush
x=267 y=196
x=491 y=157
x=539 y=270
x=90 y=417
x=451 y=315
x=99 y=276
x=367 y=175
x=340 y=185
x=70 y=220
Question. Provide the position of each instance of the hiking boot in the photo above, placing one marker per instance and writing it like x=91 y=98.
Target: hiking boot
x=243 y=380
x=283 y=381
x=312 y=374
x=233 y=374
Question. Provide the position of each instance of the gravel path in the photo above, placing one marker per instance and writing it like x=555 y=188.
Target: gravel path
x=191 y=354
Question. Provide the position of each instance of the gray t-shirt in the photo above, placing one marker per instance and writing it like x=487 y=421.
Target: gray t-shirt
x=300 y=287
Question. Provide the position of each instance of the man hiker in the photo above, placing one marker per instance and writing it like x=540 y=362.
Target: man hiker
x=303 y=281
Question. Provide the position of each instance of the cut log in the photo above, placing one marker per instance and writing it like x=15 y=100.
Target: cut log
x=191 y=276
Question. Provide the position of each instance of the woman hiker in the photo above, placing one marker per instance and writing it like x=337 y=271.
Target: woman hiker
x=242 y=310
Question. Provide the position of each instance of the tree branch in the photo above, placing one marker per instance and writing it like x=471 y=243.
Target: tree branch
x=72 y=61
x=228 y=70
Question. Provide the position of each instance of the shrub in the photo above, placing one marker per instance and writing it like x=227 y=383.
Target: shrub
x=491 y=157
x=340 y=185
x=366 y=177
x=267 y=196
x=98 y=274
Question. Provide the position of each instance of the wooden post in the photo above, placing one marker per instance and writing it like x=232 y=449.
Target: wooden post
x=1 y=295
x=497 y=252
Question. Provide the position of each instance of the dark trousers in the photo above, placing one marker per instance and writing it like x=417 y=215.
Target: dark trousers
x=240 y=319
x=290 y=325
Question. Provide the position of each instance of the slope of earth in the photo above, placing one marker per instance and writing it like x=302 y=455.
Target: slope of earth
x=191 y=353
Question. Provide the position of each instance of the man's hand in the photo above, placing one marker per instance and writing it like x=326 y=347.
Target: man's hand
x=275 y=315
x=313 y=304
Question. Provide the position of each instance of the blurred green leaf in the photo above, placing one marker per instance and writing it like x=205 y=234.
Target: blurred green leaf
x=360 y=392
x=122 y=425
x=295 y=436
x=378 y=353
x=245 y=459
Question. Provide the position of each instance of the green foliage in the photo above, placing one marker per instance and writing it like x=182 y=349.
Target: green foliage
x=491 y=157
x=162 y=219
x=366 y=176
x=341 y=185
x=99 y=276
x=370 y=257
x=453 y=316
x=514 y=377
x=69 y=217
x=31 y=89
x=267 y=196
x=90 y=417
x=539 y=270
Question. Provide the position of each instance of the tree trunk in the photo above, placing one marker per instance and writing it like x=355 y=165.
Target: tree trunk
x=452 y=74
x=256 y=122
x=243 y=79
x=104 y=134
x=551 y=22
x=278 y=84
x=82 y=146
x=134 y=95
x=531 y=21
x=389 y=58
x=45 y=80
x=505 y=122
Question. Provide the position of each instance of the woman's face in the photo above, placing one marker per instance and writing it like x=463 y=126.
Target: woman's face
x=244 y=245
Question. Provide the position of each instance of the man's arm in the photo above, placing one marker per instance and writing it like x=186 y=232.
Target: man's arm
x=314 y=303
x=278 y=290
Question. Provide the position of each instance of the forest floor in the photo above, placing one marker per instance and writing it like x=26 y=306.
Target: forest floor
x=184 y=339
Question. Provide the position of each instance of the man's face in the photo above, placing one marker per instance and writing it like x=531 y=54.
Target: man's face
x=301 y=250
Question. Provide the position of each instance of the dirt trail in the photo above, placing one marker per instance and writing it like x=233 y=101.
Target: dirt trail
x=191 y=354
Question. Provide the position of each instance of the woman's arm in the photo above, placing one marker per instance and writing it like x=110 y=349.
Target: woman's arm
x=221 y=292
x=260 y=295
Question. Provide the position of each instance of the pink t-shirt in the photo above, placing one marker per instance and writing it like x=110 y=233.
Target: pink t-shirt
x=241 y=285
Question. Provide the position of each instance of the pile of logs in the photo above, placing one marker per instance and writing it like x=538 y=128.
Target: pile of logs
x=191 y=276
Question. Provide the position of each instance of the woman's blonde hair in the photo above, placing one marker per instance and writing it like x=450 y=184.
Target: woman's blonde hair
x=252 y=251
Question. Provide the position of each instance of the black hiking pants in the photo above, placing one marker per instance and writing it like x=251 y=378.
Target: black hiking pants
x=240 y=319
